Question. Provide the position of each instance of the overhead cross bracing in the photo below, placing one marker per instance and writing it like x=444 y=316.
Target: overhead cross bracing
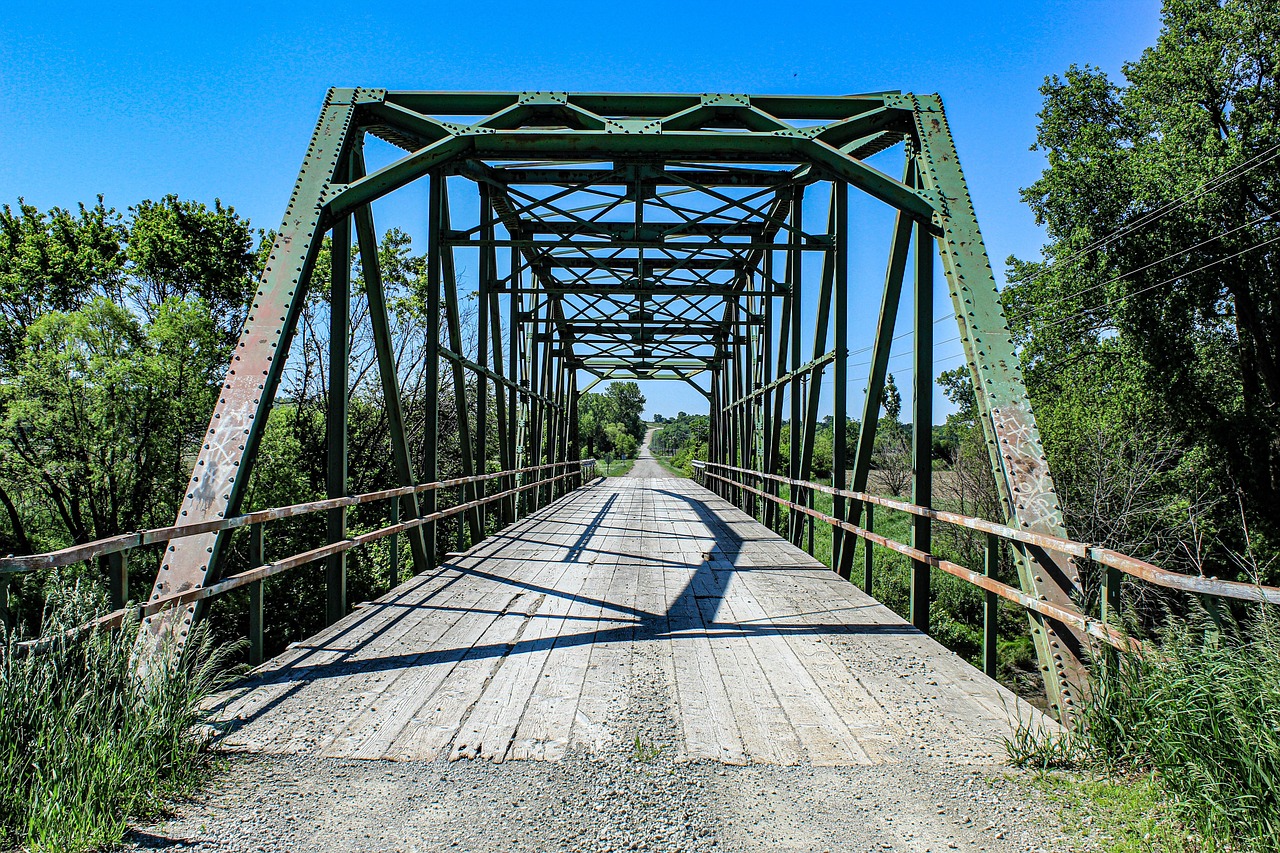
x=638 y=236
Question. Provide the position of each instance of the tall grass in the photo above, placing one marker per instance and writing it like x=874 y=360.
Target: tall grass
x=1200 y=712
x=84 y=746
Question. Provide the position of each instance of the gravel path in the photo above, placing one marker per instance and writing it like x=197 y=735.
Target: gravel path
x=646 y=465
x=633 y=796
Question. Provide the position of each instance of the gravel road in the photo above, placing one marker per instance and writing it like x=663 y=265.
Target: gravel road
x=646 y=465
x=631 y=796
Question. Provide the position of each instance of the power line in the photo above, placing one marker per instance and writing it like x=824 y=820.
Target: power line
x=1169 y=280
x=1039 y=308
x=1162 y=211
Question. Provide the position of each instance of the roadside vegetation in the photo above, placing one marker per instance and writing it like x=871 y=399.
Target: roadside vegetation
x=1148 y=336
x=85 y=747
x=1192 y=723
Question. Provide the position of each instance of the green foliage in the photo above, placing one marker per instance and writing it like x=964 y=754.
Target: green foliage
x=183 y=249
x=55 y=262
x=114 y=333
x=1202 y=713
x=1115 y=815
x=1167 y=333
x=891 y=455
x=84 y=746
x=1199 y=713
x=610 y=423
x=683 y=439
x=98 y=409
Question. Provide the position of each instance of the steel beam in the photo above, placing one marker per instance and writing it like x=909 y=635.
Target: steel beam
x=225 y=460
x=1021 y=470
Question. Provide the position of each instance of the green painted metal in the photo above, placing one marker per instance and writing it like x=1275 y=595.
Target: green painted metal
x=840 y=411
x=119 y=577
x=371 y=267
x=646 y=236
x=336 y=414
x=431 y=436
x=990 y=613
x=881 y=345
x=1018 y=462
x=257 y=616
x=868 y=553
x=922 y=426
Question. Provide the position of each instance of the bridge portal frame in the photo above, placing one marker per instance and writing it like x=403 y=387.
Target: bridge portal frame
x=638 y=286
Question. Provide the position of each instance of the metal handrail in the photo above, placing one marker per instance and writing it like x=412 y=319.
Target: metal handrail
x=258 y=573
x=1105 y=556
x=127 y=541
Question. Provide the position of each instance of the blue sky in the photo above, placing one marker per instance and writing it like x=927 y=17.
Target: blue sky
x=208 y=100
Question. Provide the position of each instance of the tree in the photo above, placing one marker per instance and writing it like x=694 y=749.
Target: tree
x=605 y=419
x=55 y=261
x=891 y=455
x=1157 y=313
x=184 y=249
x=100 y=406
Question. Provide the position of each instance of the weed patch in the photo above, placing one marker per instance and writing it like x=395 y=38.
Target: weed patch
x=85 y=747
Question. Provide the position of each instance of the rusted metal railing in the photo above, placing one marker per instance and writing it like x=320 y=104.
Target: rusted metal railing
x=1114 y=563
x=116 y=548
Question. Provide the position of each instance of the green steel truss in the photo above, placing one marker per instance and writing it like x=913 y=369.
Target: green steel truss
x=638 y=236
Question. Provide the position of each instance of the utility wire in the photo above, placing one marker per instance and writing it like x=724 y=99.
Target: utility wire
x=1143 y=221
x=1039 y=308
x=1169 y=280
x=1162 y=211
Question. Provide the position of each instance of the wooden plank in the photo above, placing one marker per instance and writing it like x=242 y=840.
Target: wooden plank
x=325 y=709
x=606 y=686
x=544 y=729
x=491 y=724
x=281 y=683
x=820 y=728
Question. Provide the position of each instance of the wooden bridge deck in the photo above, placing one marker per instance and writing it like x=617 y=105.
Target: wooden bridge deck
x=536 y=641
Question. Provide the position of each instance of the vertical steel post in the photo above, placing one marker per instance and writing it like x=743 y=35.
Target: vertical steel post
x=1110 y=602
x=380 y=325
x=881 y=347
x=257 y=557
x=119 y=564
x=868 y=552
x=922 y=425
x=493 y=315
x=453 y=322
x=813 y=388
x=990 y=642
x=768 y=428
x=839 y=464
x=431 y=425
x=514 y=306
x=483 y=285
x=336 y=416
x=393 y=546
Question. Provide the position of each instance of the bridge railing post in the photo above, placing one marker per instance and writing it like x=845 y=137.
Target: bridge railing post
x=6 y=615
x=256 y=558
x=118 y=564
x=868 y=556
x=990 y=638
x=393 y=546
